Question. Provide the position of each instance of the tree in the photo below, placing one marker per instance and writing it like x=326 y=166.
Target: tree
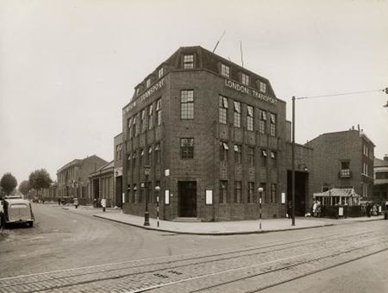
x=40 y=179
x=8 y=182
x=24 y=187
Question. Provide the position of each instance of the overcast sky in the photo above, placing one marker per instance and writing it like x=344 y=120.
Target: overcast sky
x=68 y=67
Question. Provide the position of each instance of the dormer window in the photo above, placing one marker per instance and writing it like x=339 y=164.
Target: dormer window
x=148 y=82
x=137 y=92
x=244 y=79
x=225 y=70
x=263 y=87
x=160 y=72
x=188 y=61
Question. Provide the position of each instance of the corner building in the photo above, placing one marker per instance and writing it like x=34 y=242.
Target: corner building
x=211 y=133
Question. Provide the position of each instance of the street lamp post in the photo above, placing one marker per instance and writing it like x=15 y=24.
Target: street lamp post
x=260 y=189
x=147 y=171
x=157 y=188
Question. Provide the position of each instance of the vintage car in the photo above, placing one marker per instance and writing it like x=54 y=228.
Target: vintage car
x=17 y=211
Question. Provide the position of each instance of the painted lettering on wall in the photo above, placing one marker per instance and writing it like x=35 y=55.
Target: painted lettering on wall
x=157 y=86
x=245 y=90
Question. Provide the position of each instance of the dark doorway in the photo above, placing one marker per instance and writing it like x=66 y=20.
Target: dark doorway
x=119 y=191
x=187 y=195
x=301 y=191
x=96 y=188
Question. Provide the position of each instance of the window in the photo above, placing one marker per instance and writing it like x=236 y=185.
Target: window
x=250 y=118
x=237 y=154
x=237 y=114
x=264 y=193
x=188 y=61
x=263 y=158
x=118 y=152
x=223 y=109
x=143 y=120
x=382 y=175
x=244 y=79
x=365 y=169
x=187 y=104
x=134 y=160
x=129 y=125
x=160 y=72
x=251 y=192
x=274 y=158
x=273 y=124
x=141 y=158
x=150 y=118
x=187 y=148
x=251 y=156
x=149 y=156
x=224 y=151
x=134 y=195
x=148 y=82
x=262 y=121
x=263 y=87
x=157 y=153
x=223 y=197
x=158 y=112
x=273 y=193
x=136 y=125
x=345 y=170
x=224 y=70
x=237 y=192
x=365 y=189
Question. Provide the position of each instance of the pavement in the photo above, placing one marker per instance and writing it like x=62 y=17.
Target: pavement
x=218 y=228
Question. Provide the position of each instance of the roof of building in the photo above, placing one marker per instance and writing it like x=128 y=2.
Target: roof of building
x=360 y=132
x=78 y=162
x=380 y=163
x=108 y=167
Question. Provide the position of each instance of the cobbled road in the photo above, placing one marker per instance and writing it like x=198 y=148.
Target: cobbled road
x=252 y=265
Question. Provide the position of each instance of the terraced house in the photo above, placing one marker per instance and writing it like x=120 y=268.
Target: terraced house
x=209 y=133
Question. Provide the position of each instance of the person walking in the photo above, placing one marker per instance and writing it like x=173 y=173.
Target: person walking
x=103 y=204
x=76 y=203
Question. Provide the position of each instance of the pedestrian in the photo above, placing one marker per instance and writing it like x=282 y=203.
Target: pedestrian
x=95 y=202
x=76 y=202
x=103 y=204
x=59 y=201
x=314 y=208
x=318 y=209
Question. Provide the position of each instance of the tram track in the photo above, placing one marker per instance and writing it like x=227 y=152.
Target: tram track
x=134 y=272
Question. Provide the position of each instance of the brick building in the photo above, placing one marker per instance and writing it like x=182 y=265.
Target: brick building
x=73 y=179
x=380 y=187
x=118 y=169
x=210 y=132
x=343 y=160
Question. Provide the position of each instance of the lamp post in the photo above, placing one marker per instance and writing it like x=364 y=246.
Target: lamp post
x=157 y=188
x=147 y=171
x=260 y=189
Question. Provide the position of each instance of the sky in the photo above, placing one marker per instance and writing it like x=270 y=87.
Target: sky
x=68 y=67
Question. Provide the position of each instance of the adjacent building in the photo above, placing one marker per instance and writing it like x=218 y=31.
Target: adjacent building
x=380 y=188
x=72 y=178
x=209 y=133
x=101 y=184
x=343 y=160
x=118 y=170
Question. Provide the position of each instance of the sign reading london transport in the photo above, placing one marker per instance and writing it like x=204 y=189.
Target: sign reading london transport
x=251 y=92
x=145 y=95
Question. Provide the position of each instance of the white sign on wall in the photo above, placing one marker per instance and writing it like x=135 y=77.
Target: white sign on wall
x=283 y=197
x=123 y=197
x=209 y=197
x=167 y=196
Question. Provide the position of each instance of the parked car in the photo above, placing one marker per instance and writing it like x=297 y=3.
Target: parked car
x=385 y=210
x=18 y=211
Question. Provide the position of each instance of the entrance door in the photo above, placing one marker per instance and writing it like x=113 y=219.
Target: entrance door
x=187 y=195
x=301 y=191
x=119 y=191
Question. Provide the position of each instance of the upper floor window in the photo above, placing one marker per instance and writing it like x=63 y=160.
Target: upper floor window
x=223 y=109
x=148 y=82
x=274 y=158
x=224 y=151
x=223 y=194
x=187 y=104
x=273 y=125
x=263 y=157
x=118 y=152
x=188 y=61
x=143 y=120
x=136 y=124
x=273 y=192
x=237 y=191
x=150 y=118
x=263 y=87
x=251 y=192
x=345 y=169
x=244 y=79
x=224 y=70
x=251 y=156
x=129 y=125
x=250 y=118
x=381 y=175
x=158 y=112
x=237 y=154
x=157 y=153
x=160 y=72
x=262 y=121
x=237 y=114
x=187 y=148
